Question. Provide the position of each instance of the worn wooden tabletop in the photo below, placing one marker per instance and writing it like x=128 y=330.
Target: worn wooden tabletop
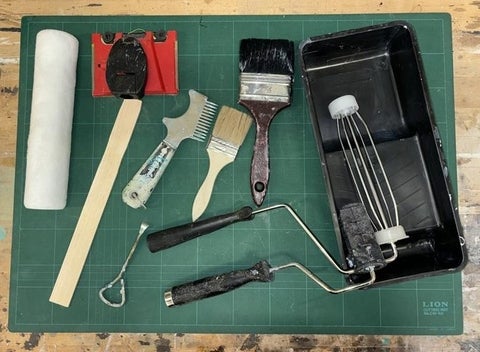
x=466 y=44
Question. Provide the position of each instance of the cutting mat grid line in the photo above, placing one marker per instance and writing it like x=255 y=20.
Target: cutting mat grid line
x=208 y=62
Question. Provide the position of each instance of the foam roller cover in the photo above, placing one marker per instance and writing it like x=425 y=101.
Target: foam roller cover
x=49 y=138
x=363 y=252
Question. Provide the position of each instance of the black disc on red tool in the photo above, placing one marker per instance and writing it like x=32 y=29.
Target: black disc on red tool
x=126 y=72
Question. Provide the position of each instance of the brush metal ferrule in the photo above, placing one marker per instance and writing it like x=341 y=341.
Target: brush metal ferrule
x=265 y=87
x=220 y=145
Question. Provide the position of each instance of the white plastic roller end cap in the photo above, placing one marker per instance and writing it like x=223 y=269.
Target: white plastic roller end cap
x=390 y=235
x=343 y=106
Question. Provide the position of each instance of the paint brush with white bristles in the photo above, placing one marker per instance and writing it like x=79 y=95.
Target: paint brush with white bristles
x=228 y=135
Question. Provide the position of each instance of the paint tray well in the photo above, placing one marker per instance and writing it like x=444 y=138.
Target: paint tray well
x=381 y=66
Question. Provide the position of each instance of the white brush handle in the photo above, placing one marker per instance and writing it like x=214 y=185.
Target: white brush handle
x=218 y=161
x=140 y=187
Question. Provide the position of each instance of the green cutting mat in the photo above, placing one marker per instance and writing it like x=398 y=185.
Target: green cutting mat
x=208 y=48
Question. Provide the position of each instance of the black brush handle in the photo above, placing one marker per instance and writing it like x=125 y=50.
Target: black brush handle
x=176 y=235
x=218 y=284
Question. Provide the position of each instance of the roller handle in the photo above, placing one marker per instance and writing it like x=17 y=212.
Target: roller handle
x=217 y=285
x=176 y=235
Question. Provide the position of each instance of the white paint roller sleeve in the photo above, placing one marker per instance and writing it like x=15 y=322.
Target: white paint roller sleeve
x=49 y=138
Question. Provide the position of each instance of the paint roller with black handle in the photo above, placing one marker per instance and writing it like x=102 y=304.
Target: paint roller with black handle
x=363 y=256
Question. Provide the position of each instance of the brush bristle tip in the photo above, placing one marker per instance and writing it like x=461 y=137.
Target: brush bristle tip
x=274 y=56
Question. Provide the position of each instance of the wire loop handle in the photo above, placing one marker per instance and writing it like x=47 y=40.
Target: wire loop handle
x=120 y=275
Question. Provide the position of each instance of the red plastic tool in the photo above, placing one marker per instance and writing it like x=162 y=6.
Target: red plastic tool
x=161 y=50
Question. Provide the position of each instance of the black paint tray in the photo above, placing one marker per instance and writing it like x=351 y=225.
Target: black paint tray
x=381 y=66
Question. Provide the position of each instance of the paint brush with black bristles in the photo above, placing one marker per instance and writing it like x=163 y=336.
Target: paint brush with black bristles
x=266 y=75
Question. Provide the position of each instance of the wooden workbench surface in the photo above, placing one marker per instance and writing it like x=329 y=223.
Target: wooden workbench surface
x=466 y=44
